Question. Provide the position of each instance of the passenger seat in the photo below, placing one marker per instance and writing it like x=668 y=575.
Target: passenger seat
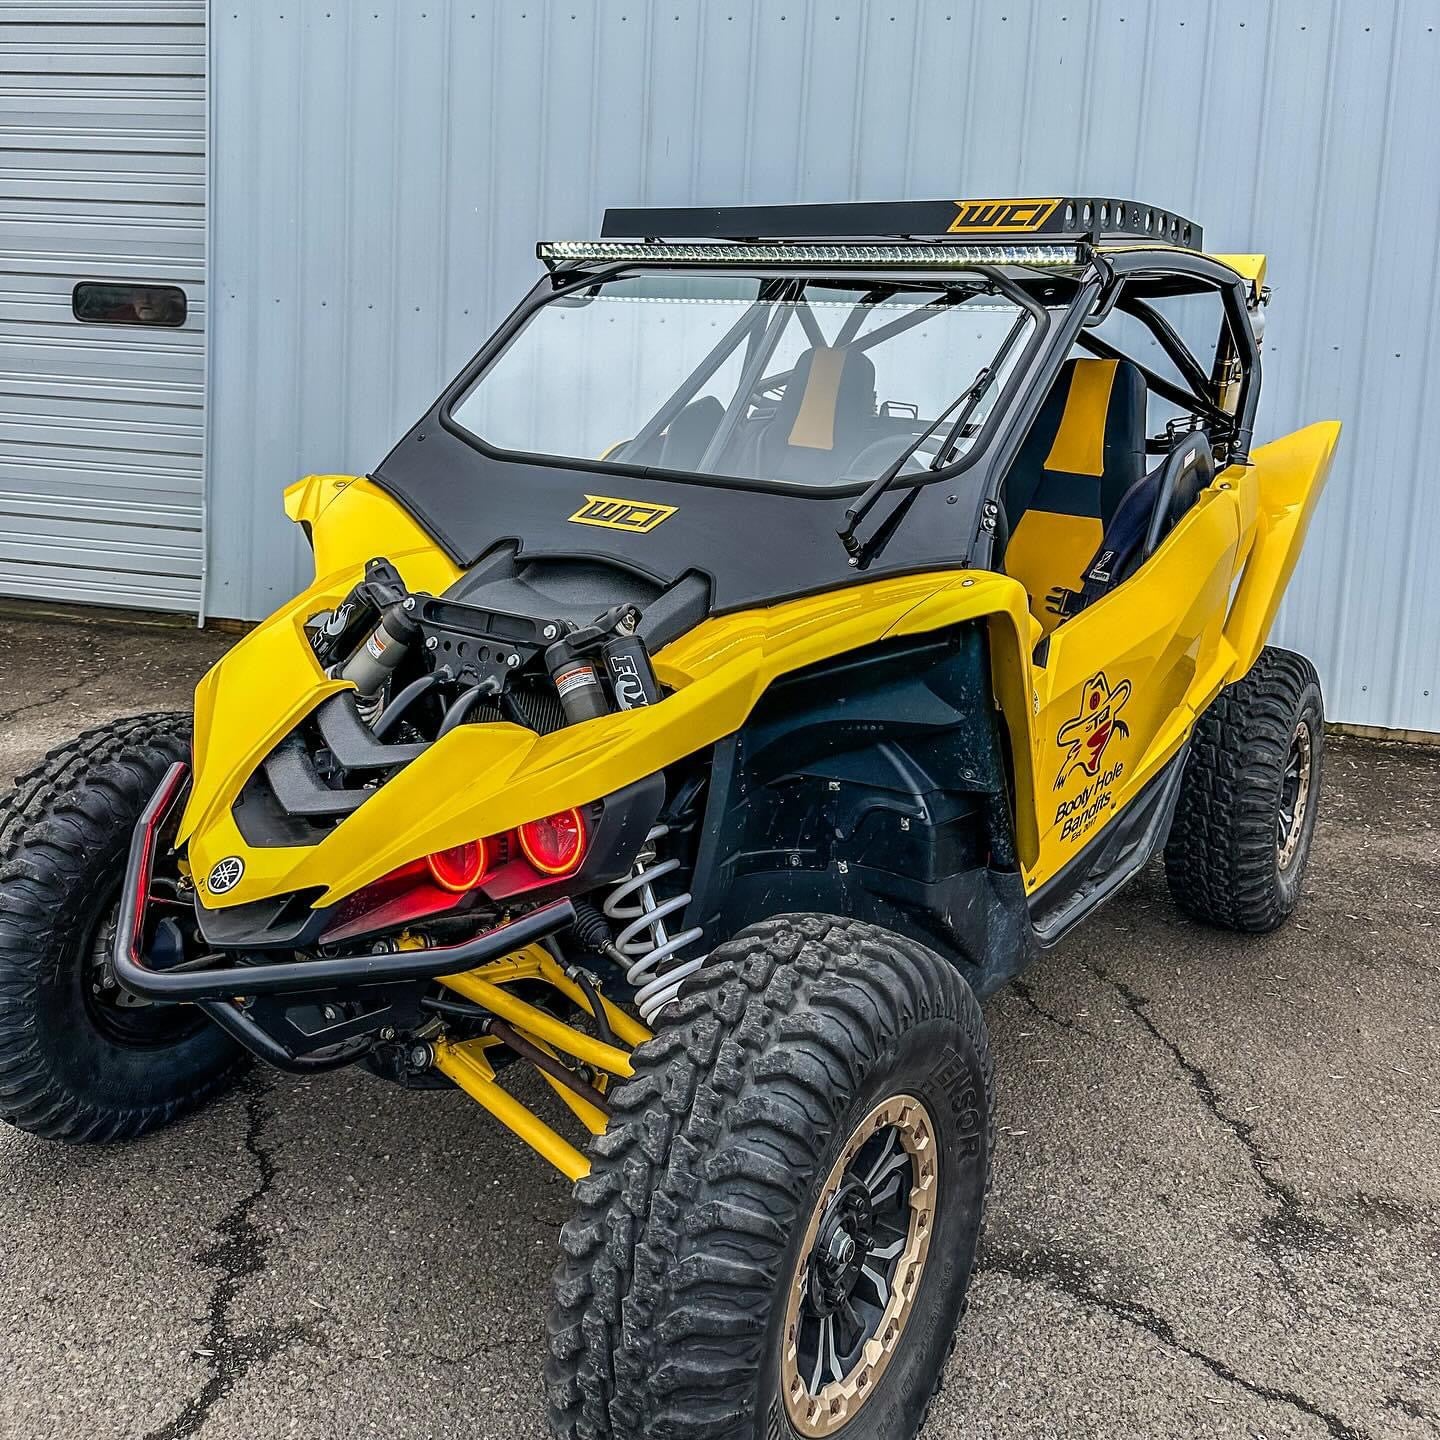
x=1083 y=454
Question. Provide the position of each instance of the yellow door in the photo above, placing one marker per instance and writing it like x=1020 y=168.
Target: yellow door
x=1123 y=680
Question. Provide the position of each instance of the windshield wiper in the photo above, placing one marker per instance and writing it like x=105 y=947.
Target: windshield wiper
x=854 y=548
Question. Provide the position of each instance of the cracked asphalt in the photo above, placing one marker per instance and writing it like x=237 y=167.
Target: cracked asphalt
x=1216 y=1207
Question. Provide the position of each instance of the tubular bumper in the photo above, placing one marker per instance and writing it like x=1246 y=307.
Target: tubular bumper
x=230 y=981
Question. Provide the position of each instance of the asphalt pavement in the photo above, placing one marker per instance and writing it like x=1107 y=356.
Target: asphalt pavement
x=1216 y=1207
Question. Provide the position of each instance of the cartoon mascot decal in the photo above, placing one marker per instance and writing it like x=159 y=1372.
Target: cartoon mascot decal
x=1089 y=732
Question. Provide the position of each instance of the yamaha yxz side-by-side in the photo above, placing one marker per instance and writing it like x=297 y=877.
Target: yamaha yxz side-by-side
x=789 y=623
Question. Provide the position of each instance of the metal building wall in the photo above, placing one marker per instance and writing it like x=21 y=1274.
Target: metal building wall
x=383 y=170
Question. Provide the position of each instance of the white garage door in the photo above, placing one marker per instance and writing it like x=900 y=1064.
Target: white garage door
x=102 y=310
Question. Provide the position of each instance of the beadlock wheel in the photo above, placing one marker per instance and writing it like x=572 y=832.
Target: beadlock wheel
x=1294 y=796
x=861 y=1261
x=123 y=1018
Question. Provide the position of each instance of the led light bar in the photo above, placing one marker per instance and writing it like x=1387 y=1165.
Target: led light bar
x=950 y=255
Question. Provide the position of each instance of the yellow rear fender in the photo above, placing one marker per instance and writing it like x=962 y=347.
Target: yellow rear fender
x=268 y=681
x=350 y=520
x=483 y=780
x=1279 y=493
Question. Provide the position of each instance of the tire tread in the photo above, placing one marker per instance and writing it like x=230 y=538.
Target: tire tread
x=659 y=1314
x=54 y=817
x=1220 y=856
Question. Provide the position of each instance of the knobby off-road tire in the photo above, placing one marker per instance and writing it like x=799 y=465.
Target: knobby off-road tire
x=685 y=1273
x=77 y=1062
x=1245 y=818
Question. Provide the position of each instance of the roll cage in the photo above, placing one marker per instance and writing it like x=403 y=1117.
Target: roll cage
x=1071 y=269
x=1114 y=255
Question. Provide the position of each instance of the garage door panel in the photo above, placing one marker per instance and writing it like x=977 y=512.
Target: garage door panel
x=128 y=589
x=76 y=190
x=115 y=165
x=102 y=178
x=43 y=311
x=130 y=59
x=129 y=546
x=21 y=201
x=113 y=14
x=91 y=413
x=179 y=270
x=104 y=84
x=101 y=494
x=172 y=364
x=86 y=395
x=120 y=461
x=71 y=39
x=53 y=287
x=118 y=102
x=56 y=146
x=75 y=440
x=80 y=110
x=81 y=247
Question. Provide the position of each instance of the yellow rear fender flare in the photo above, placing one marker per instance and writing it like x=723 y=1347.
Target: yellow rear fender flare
x=1280 y=491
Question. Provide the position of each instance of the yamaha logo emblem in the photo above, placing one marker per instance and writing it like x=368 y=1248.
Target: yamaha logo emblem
x=225 y=874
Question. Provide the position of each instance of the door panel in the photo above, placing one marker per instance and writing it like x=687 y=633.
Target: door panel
x=1118 y=690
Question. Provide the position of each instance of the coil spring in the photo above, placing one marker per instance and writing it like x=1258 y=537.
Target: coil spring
x=369 y=706
x=644 y=943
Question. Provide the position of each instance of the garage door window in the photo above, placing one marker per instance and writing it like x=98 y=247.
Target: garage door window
x=111 y=303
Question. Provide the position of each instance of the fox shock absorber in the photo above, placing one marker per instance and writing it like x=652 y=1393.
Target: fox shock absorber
x=577 y=681
x=644 y=943
x=382 y=650
x=628 y=669
x=604 y=660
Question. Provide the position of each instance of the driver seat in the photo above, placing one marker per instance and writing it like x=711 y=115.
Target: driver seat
x=1082 y=456
x=824 y=418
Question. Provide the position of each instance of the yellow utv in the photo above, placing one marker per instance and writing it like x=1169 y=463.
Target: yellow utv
x=792 y=621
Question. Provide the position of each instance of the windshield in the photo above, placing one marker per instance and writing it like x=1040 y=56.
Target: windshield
x=785 y=381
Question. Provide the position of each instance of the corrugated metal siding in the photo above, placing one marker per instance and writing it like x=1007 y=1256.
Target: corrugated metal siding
x=102 y=176
x=384 y=170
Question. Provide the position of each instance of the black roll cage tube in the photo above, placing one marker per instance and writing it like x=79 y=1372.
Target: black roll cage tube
x=1120 y=265
x=1167 y=389
x=753 y=371
x=1187 y=363
x=1100 y=289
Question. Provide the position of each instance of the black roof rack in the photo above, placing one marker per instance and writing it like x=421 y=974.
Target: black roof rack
x=1060 y=218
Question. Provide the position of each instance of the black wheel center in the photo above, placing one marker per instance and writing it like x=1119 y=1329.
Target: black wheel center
x=121 y=1017
x=865 y=1245
x=843 y=1245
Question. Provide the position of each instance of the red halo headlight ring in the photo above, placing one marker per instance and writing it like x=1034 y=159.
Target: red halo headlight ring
x=555 y=846
x=460 y=868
